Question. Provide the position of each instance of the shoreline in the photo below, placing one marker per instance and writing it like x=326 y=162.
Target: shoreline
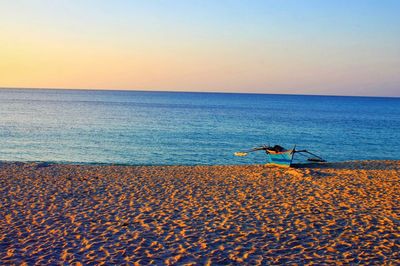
x=240 y=214
x=294 y=165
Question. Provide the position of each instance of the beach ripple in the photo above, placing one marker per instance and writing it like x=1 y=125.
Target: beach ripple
x=344 y=213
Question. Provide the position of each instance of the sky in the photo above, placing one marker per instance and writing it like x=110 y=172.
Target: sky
x=341 y=47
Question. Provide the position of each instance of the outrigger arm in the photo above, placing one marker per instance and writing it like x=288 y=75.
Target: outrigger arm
x=244 y=153
x=316 y=159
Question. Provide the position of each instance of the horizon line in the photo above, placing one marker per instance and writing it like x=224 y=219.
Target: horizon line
x=182 y=91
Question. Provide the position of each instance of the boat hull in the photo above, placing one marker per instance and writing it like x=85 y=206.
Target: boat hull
x=283 y=159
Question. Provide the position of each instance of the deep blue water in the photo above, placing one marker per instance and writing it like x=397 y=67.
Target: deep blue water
x=131 y=127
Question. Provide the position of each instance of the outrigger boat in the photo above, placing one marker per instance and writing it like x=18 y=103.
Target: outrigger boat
x=279 y=156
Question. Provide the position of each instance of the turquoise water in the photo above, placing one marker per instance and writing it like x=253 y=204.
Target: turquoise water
x=157 y=128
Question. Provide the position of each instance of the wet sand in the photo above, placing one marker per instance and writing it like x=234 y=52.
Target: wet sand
x=336 y=213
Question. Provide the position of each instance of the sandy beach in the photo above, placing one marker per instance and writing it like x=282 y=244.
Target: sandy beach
x=334 y=213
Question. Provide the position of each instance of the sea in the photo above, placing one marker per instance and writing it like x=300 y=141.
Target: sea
x=186 y=128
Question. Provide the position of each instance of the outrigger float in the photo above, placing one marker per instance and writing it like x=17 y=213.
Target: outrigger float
x=279 y=156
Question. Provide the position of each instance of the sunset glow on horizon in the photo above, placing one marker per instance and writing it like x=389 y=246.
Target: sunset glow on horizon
x=299 y=47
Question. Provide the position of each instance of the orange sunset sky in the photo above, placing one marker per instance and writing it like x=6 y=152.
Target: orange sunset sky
x=301 y=47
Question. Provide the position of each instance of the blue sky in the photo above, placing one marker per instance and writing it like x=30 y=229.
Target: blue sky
x=282 y=46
